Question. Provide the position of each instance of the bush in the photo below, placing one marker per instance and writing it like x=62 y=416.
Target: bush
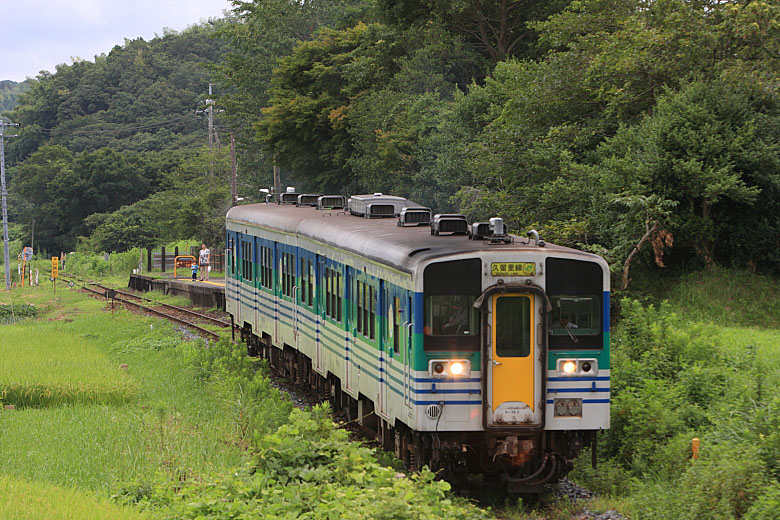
x=766 y=505
x=308 y=469
x=17 y=311
x=722 y=484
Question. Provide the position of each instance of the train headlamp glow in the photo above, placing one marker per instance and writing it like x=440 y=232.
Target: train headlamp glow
x=577 y=367
x=442 y=368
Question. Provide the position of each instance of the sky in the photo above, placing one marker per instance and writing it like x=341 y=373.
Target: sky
x=37 y=35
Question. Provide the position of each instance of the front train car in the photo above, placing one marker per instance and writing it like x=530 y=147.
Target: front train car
x=514 y=364
x=482 y=354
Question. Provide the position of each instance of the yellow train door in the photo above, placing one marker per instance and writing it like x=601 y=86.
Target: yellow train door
x=514 y=366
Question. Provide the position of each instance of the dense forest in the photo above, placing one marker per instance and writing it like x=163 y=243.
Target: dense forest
x=9 y=93
x=99 y=137
x=647 y=132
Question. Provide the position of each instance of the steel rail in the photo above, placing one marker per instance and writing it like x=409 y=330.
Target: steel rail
x=205 y=317
x=205 y=332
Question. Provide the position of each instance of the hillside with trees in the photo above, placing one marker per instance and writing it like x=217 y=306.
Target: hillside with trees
x=98 y=136
x=10 y=92
x=613 y=126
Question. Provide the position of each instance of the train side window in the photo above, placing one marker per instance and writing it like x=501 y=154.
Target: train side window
x=339 y=298
x=365 y=310
x=372 y=303
x=396 y=343
x=303 y=283
x=310 y=274
x=359 y=306
x=327 y=291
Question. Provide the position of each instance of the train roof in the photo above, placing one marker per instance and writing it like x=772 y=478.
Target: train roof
x=381 y=239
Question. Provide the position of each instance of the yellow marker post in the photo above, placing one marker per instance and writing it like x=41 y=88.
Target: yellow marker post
x=695 y=448
x=55 y=271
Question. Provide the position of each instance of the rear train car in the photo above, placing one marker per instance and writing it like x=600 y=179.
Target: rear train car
x=485 y=353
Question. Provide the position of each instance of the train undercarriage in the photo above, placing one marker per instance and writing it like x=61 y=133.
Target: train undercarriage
x=525 y=461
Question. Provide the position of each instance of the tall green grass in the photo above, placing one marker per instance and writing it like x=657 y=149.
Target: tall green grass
x=702 y=363
x=174 y=425
x=22 y=500
x=40 y=368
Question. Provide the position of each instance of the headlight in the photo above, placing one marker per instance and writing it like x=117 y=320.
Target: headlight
x=449 y=368
x=577 y=367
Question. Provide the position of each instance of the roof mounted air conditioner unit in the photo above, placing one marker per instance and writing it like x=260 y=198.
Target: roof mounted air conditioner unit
x=449 y=223
x=415 y=217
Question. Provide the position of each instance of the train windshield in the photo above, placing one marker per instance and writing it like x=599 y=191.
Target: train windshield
x=575 y=315
x=451 y=315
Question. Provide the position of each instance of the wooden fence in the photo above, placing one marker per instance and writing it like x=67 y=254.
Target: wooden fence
x=154 y=259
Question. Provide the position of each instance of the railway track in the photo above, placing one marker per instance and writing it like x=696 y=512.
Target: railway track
x=171 y=312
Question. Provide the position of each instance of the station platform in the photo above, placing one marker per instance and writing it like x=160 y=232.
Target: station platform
x=202 y=294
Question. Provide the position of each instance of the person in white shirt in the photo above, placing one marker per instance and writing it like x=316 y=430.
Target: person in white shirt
x=203 y=261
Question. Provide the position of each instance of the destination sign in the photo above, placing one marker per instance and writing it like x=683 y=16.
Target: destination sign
x=513 y=269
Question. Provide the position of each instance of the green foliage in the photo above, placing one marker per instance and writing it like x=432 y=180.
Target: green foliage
x=309 y=469
x=687 y=368
x=10 y=92
x=93 y=265
x=767 y=504
x=16 y=311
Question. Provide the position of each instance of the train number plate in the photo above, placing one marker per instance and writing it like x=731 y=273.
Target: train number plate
x=513 y=269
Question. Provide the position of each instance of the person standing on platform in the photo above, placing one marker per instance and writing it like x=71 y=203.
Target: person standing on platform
x=203 y=260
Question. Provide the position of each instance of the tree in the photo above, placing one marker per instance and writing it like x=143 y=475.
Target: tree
x=498 y=28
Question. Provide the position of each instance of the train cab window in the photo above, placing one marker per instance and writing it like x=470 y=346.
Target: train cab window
x=575 y=315
x=575 y=289
x=451 y=315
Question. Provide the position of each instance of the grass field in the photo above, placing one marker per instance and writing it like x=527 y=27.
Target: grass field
x=40 y=367
x=87 y=426
x=24 y=500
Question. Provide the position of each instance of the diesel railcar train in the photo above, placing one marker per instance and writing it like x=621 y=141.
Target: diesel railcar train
x=462 y=347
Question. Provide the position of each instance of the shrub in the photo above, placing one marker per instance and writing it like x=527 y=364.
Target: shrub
x=766 y=505
x=14 y=312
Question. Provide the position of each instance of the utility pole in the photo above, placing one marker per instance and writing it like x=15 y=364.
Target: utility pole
x=4 y=194
x=210 y=112
x=233 y=191
x=277 y=184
